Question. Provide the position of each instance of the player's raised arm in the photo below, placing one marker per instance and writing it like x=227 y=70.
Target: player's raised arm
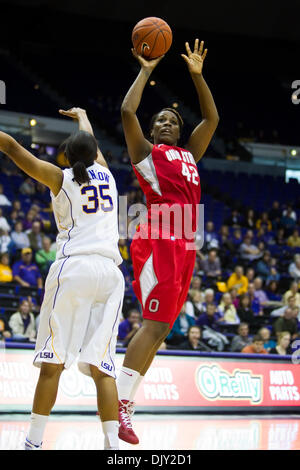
x=138 y=146
x=84 y=125
x=44 y=172
x=202 y=134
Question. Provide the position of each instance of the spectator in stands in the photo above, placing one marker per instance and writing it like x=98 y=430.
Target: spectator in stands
x=266 y=336
x=211 y=265
x=275 y=214
x=210 y=236
x=234 y=296
x=6 y=244
x=294 y=240
x=3 y=199
x=248 y=251
x=283 y=344
x=193 y=341
x=242 y=338
x=211 y=317
x=129 y=327
x=274 y=274
x=4 y=328
x=234 y=220
x=16 y=206
x=294 y=268
x=294 y=291
x=263 y=267
x=237 y=238
x=193 y=306
x=244 y=310
x=279 y=312
x=22 y=323
x=13 y=218
x=296 y=315
x=280 y=237
x=256 y=347
x=254 y=302
x=286 y=323
x=4 y=225
x=238 y=280
x=27 y=187
x=196 y=283
x=272 y=291
x=250 y=275
x=259 y=293
x=263 y=236
x=288 y=221
x=250 y=219
x=36 y=236
x=5 y=269
x=264 y=222
x=28 y=221
x=290 y=212
x=180 y=328
x=20 y=238
x=45 y=257
x=226 y=245
x=209 y=299
x=228 y=310
x=25 y=272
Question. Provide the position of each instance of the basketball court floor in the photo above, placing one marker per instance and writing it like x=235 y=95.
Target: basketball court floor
x=162 y=432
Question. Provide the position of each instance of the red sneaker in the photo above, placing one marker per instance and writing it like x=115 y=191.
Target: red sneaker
x=126 y=433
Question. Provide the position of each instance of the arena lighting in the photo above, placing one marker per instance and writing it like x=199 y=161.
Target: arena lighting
x=34 y=146
x=294 y=152
x=36 y=86
x=175 y=105
x=153 y=82
x=32 y=122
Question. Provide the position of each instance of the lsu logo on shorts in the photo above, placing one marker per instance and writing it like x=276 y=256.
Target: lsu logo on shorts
x=46 y=355
x=106 y=366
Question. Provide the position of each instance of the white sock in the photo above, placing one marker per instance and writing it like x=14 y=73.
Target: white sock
x=37 y=428
x=111 y=431
x=135 y=387
x=126 y=382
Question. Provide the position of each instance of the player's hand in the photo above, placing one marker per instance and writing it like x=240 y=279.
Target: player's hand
x=145 y=64
x=194 y=60
x=73 y=113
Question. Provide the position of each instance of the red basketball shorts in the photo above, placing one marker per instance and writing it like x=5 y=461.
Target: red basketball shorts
x=163 y=271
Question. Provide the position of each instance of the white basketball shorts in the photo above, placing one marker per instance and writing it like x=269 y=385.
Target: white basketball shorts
x=80 y=313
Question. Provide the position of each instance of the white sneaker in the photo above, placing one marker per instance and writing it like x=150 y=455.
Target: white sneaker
x=30 y=446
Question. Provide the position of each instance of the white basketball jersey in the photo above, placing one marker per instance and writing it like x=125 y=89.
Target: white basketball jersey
x=87 y=215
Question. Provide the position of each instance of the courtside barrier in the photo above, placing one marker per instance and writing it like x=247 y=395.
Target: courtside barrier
x=178 y=381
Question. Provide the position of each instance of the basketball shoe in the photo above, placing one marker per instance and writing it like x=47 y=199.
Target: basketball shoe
x=126 y=433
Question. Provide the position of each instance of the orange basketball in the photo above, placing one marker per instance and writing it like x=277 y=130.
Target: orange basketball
x=151 y=37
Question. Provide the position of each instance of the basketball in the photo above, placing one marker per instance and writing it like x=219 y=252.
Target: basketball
x=152 y=37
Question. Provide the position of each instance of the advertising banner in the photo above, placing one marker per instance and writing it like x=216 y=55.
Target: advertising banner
x=173 y=383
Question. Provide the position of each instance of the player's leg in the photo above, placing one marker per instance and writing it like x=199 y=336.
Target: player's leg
x=147 y=339
x=107 y=402
x=44 y=400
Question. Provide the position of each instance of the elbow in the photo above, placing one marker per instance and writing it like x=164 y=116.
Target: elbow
x=126 y=109
x=4 y=142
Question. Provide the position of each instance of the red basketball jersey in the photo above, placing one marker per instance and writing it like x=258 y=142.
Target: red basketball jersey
x=169 y=177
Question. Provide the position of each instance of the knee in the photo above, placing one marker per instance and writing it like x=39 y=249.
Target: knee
x=158 y=330
x=51 y=371
x=98 y=374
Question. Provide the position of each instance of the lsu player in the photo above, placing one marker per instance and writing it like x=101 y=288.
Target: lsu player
x=84 y=288
x=162 y=260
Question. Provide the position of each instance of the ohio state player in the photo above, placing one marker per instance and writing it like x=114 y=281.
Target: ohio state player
x=163 y=264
